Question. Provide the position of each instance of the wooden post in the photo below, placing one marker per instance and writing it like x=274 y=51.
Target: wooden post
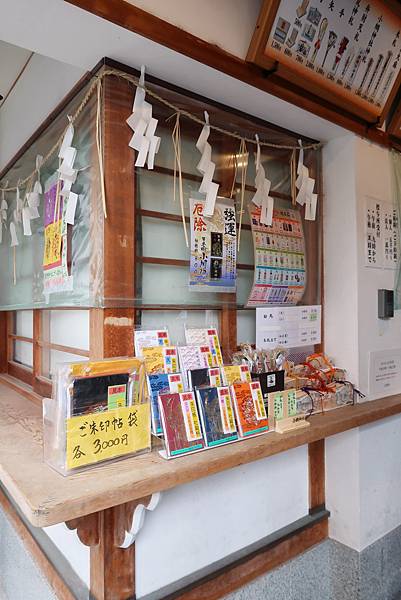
x=112 y=569
x=228 y=313
x=317 y=491
x=3 y=342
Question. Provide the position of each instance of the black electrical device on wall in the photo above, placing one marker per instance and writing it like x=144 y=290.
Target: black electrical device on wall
x=385 y=304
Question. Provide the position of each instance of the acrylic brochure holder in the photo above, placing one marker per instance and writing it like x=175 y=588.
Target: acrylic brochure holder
x=100 y=411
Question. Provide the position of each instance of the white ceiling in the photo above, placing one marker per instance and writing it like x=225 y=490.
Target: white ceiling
x=12 y=61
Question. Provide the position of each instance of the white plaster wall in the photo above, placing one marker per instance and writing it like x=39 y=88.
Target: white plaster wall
x=73 y=551
x=340 y=254
x=363 y=466
x=373 y=178
x=343 y=487
x=227 y=23
x=199 y=523
x=380 y=479
x=43 y=85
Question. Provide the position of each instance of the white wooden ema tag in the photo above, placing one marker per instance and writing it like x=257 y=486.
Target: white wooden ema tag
x=291 y=424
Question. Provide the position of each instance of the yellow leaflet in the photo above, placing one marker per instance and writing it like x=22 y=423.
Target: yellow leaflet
x=154 y=359
x=106 y=367
x=98 y=436
x=234 y=374
x=52 y=251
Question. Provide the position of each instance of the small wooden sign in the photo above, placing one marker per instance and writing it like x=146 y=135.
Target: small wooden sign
x=281 y=406
x=291 y=423
x=346 y=52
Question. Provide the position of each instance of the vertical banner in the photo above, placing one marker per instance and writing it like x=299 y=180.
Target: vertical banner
x=280 y=269
x=55 y=254
x=213 y=247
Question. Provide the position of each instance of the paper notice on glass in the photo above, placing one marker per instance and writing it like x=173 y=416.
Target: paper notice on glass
x=280 y=271
x=385 y=372
x=213 y=247
x=288 y=326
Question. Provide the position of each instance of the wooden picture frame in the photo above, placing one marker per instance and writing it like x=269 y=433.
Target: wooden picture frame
x=393 y=124
x=364 y=86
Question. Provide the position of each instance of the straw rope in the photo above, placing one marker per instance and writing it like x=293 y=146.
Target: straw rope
x=95 y=87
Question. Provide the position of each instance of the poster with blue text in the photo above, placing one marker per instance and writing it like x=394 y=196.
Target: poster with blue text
x=213 y=247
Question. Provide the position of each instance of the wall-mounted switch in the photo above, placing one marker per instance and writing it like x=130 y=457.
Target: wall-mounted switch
x=385 y=304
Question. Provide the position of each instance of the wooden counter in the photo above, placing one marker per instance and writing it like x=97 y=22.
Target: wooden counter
x=46 y=498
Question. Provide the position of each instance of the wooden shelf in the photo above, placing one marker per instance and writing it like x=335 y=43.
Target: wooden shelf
x=46 y=498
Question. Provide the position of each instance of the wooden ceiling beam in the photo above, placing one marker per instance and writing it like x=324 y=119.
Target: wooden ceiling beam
x=138 y=21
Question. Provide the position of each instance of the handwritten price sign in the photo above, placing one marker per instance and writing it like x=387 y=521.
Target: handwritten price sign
x=99 y=436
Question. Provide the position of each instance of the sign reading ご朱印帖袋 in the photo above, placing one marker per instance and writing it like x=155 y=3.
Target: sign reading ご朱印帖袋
x=213 y=247
x=99 y=436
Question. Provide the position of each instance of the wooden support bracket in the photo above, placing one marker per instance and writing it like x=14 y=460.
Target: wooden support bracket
x=111 y=536
x=138 y=519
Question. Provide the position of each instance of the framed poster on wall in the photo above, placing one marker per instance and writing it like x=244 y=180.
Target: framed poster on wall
x=346 y=52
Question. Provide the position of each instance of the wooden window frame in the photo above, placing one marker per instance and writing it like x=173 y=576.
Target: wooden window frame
x=33 y=376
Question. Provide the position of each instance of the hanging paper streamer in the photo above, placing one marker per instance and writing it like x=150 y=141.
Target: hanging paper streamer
x=67 y=155
x=71 y=208
x=207 y=167
x=261 y=197
x=67 y=177
x=13 y=234
x=26 y=221
x=3 y=214
x=144 y=140
x=305 y=185
x=33 y=196
x=17 y=212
